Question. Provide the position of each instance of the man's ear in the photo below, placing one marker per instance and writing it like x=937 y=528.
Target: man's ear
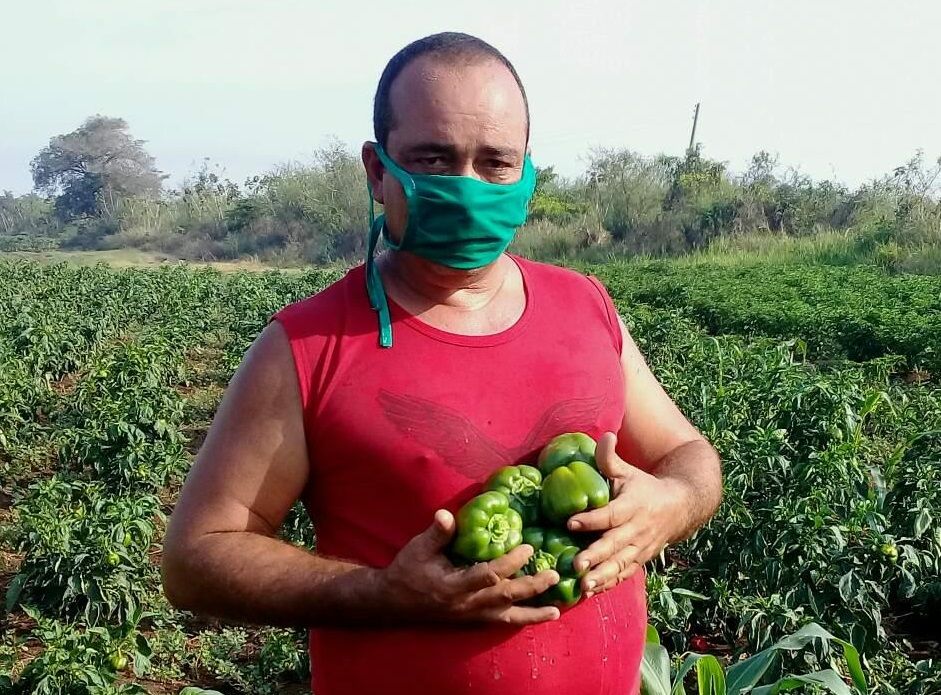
x=374 y=170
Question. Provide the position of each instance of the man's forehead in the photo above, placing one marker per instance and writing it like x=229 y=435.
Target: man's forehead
x=432 y=67
x=444 y=146
x=434 y=100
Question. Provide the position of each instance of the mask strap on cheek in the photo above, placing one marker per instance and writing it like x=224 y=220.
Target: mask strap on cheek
x=374 y=287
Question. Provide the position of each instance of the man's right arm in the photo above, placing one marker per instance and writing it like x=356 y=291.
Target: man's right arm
x=222 y=556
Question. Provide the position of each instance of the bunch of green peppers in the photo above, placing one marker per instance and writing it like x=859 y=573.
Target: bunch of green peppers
x=487 y=528
x=554 y=550
x=522 y=504
x=571 y=483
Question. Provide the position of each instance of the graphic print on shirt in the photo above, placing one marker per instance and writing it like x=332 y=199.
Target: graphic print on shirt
x=463 y=447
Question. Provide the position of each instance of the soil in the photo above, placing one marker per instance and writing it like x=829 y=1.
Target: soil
x=921 y=634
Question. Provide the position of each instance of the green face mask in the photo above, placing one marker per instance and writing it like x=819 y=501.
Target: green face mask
x=456 y=221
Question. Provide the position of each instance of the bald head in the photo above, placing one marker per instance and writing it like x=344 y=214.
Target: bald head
x=449 y=50
x=450 y=105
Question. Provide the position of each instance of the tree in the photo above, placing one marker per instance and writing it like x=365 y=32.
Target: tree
x=627 y=191
x=94 y=167
x=25 y=214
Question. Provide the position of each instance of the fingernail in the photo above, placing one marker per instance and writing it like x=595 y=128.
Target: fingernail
x=591 y=584
x=575 y=525
x=583 y=565
x=589 y=594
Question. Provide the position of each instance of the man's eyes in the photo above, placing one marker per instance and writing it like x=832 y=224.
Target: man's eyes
x=430 y=161
x=443 y=162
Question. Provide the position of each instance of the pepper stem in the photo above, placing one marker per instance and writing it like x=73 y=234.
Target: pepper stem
x=523 y=486
x=499 y=528
x=541 y=561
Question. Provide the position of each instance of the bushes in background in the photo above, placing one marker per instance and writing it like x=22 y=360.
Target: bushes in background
x=625 y=204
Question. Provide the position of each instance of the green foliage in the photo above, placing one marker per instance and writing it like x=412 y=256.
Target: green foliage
x=170 y=647
x=76 y=661
x=546 y=206
x=26 y=216
x=85 y=551
x=856 y=312
x=894 y=673
x=545 y=239
x=826 y=463
x=312 y=212
x=318 y=212
x=750 y=675
x=282 y=657
x=551 y=201
x=297 y=528
x=625 y=203
x=626 y=191
x=124 y=419
x=93 y=167
x=107 y=379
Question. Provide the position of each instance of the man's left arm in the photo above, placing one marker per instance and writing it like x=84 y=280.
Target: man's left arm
x=665 y=477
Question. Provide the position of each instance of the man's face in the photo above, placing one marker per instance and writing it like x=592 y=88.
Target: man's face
x=451 y=119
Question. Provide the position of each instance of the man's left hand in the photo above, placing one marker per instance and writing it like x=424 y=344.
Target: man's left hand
x=644 y=514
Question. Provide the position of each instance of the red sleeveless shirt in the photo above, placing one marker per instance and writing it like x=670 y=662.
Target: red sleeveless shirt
x=394 y=434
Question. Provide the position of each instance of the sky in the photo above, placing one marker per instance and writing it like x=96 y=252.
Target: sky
x=841 y=89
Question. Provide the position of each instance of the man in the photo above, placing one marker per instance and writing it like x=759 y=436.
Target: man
x=385 y=400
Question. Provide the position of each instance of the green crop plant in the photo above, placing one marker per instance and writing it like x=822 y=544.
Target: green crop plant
x=756 y=674
x=817 y=384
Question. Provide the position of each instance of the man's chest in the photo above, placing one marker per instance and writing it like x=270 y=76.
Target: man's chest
x=425 y=433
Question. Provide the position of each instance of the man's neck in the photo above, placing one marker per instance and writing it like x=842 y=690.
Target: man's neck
x=420 y=282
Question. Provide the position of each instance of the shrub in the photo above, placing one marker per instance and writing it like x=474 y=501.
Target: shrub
x=86 y=551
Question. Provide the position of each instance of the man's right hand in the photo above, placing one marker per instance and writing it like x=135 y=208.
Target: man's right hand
x=422 y=585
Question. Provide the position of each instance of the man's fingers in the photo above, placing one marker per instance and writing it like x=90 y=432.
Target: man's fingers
x=615 y=513
x=484 y=575
x=475 y=578
x=624 y=575
x=524 y=588
x=509 y=564
x=609 y=463
x=515 y=590
x=433 y=540
x=619 y=566
x=610 y=543
x=524 y=615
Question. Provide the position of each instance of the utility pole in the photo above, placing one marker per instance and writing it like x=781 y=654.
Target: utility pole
x=692 y=136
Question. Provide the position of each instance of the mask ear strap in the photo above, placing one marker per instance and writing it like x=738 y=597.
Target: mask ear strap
x=374 y=288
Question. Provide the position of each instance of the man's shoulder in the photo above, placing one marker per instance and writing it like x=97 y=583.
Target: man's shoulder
x=559 y=277
x=568 y=290
x=328 y=305
x=549 y=270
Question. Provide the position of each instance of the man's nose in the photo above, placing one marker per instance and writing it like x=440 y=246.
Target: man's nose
x=465 y=167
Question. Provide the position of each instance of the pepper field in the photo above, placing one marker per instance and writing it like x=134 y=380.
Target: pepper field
x=819 y=386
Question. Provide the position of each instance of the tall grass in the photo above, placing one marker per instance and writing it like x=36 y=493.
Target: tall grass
x=831 y=246
x=625 y=205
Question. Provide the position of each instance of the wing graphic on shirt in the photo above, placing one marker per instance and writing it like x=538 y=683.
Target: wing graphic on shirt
x=447 y=432
x=463 y=447
x=571 y=415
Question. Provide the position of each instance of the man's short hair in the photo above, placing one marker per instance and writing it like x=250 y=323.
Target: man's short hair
x=448 y=46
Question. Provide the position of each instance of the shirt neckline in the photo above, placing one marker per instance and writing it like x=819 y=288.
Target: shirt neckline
x=400 y=316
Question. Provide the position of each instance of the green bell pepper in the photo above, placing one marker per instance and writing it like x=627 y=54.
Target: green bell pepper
x=562 y=450
x=487 y=528
x=549 y=539
x=571 y=489
x=522 y=484
x=554 y=550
